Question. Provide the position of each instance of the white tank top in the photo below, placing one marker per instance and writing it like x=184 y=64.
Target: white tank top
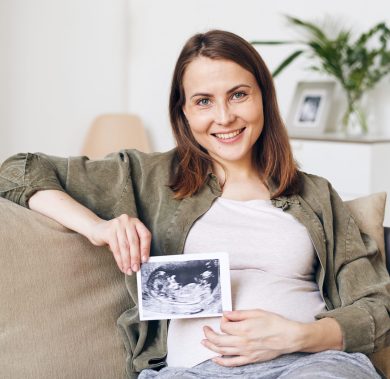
x=272 y=267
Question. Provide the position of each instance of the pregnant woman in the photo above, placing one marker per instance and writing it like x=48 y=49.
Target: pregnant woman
x=310 y=293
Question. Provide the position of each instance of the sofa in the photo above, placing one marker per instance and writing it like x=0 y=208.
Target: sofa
x=60 y=297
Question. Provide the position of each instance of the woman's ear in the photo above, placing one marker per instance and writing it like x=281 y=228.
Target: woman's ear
x=183 y=108
x=184 y=114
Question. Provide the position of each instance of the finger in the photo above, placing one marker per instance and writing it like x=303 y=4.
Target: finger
x=132 y=237
x=239 y=360
x=114 y=247
x=225 y=340
x=240 y=323
x=222 y=350
x=124 y=249
x=145 y=238
x=235 y=328
x=243 y=314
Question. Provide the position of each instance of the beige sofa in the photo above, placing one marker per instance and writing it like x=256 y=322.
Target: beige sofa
x=60 y=298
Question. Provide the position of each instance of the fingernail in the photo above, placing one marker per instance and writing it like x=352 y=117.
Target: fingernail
x=129 y=272
x=135 y=267
x=144 y=259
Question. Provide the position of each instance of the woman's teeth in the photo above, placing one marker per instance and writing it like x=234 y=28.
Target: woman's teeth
x=229 y=135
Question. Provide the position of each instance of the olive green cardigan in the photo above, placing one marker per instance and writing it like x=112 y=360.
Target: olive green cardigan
x=351 y=276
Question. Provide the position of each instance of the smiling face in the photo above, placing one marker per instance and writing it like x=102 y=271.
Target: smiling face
x=224 y=109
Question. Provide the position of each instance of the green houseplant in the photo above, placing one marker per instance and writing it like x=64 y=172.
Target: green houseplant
x=358 y=64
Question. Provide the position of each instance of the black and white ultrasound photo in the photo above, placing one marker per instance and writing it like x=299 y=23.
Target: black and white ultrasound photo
x=183 y=287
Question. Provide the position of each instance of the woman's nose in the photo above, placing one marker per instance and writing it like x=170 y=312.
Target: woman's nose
x=223 y=115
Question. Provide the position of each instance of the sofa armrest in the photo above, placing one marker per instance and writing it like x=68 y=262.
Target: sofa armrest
x=387 y=247
x=381 y=359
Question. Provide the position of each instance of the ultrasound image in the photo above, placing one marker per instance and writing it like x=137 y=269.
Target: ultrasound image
x=181 y=288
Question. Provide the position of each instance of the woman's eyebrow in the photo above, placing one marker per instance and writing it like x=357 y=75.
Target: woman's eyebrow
x=229 y=91
x=238 y=86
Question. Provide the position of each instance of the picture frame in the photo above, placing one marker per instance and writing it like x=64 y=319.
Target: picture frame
x=310 y=108
x=184 y=286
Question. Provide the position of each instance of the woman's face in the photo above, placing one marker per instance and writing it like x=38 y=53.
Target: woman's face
x=223 y=108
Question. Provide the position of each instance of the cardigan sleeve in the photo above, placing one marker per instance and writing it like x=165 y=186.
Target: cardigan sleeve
x=100 y=185
x=363 y=284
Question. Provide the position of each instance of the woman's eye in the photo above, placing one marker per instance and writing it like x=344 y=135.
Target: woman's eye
x=238 y=95
x=203 y=102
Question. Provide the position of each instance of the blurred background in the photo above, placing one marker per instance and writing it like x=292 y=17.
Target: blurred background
x=64 y=62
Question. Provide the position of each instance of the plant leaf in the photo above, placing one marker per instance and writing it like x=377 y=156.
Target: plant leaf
x=358 y=65
x=314 y=30
x=286 y=62
x=272 y=42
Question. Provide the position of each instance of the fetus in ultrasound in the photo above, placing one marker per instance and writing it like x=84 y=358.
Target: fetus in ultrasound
x=184 y=287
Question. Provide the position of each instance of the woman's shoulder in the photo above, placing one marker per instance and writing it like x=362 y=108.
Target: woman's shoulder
x=317 y=191
x=150 y=169
x=323 y=198
x=142 y=163
x=313 y=182
x=150 y=159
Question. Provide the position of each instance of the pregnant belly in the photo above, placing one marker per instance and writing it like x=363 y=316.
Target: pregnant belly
x=295 y=299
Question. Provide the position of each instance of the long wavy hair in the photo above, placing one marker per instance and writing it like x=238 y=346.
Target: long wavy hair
x=272 y=154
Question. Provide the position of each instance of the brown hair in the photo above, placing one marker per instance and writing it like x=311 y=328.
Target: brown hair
x=271 y=153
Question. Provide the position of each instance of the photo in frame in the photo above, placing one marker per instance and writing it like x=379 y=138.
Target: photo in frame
x=184 y=286
x=310 y=108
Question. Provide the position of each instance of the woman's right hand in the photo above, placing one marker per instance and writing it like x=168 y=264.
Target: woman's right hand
x=128 y=239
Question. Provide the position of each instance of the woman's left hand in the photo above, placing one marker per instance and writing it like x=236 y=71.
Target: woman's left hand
x=253 y=336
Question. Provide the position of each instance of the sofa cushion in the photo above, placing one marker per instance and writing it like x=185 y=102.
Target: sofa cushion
x=369 y=213
x=60 y=299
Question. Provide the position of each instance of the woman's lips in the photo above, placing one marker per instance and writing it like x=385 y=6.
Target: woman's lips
x=229 y=137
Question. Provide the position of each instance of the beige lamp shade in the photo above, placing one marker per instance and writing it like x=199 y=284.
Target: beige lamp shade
x=112 y=132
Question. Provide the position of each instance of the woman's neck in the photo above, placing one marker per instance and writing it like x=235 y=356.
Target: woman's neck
x=241 y=183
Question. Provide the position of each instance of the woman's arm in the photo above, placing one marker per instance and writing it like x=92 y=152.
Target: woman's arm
x=81 y=194
x=59 y=206
x=127 y=237
x=358 y=285
x=324 y=334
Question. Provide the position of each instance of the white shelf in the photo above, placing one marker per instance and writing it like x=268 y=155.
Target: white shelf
x=354 y=167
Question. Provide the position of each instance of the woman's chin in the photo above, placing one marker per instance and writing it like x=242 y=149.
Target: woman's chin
x=232 y=157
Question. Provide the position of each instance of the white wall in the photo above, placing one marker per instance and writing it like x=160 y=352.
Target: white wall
x=62 y=62
x=158 y=29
